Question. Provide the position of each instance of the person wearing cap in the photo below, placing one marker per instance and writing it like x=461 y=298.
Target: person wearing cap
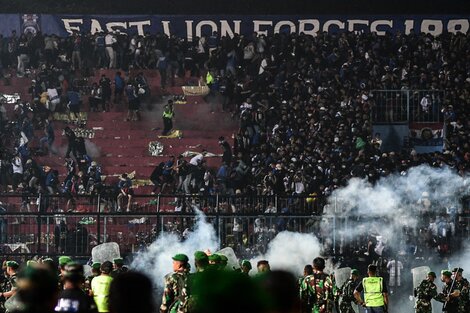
x=425 y=291
x=11 y=271
x=375 y=292
x=214 y=261
x=118 y=264
x=263 y=266
x=464 y=287
x=450 y=294
x=100 y=287
x=72 y=298
x=246 y=267
x=63 y=261
x=201 y=261
x=175 y=293
x=95 y=272
x=347 y=293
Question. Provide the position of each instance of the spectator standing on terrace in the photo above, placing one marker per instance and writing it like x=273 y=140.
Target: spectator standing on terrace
x=76 y=51
x=22 y=52
x=48 y=138
x=133 y=101
x=110 y=42
x=105 y=85
x=227 y=151
x=74 y=104
x=72 y=142
x=119 y=85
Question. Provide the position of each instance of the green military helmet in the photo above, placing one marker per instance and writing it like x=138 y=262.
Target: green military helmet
x=31 y=263
x=354 y=272
x=64 y=260
x=13 y=264
x=200 y=256
x=247 y=264
x=73 y=270
x=214 y=259
x=96 y=265
x=457 y=270
x=432 y=274
x=118 y=261
x=446 y=273
x=181 y=258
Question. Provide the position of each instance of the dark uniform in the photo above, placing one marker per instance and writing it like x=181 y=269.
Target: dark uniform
x=5 y=286
x=451 y=306
x=463 y=285
x=426 y=291
x=347 y=294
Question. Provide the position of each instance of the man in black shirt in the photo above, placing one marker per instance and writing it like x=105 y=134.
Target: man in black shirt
x=73 y=298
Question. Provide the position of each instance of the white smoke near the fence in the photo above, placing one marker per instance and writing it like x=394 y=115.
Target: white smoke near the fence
x=291 y=252
x=395 y=201
x=156 y=261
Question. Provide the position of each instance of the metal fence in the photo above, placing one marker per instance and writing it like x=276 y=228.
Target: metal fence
x=49 y=225
x=407 y=106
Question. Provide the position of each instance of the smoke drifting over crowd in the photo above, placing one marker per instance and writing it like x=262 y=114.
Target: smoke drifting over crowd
x=156 y=260
x=394 y=202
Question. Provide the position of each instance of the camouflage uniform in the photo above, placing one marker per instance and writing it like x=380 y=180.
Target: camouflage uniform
x=175 y=294
x=464 y=287
x=347 y=296
x=307 y=297
x=5 y=286
x=426 y=291
x=453 y=304
x=320 y=287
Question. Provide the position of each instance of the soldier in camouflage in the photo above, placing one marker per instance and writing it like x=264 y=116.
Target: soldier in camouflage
x=306 y=298
x=320 y=287
x=426 y=291
x=450 y=294
x=462 y=284
x=175 y=294
x=5 y=286
x=347 y=293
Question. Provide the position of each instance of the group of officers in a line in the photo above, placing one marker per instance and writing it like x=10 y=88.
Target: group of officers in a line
x=318 y=292
x=77 y=292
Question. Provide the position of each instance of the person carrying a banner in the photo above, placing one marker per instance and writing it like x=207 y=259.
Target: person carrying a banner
x=426 y=291
x=375 y=292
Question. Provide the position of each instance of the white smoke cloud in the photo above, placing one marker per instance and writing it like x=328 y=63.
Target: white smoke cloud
x=291 y=252
x=156 y=261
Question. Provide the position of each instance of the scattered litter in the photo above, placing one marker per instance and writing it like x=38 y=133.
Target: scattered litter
x=155 y=148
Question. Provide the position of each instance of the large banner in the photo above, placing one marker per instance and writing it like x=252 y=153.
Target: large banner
x=197 y=25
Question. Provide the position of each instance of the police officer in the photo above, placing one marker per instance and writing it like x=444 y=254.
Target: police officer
x=201 y=261
x=347 y=292
x=375 y=292
x=118 y=264
x=95 y=272
x=168 y=115
x=175 y=294
x=450 y=293
x=246 y=267
x=426 y=291
x=463 y=285
x=100 y=287
x=73 y=298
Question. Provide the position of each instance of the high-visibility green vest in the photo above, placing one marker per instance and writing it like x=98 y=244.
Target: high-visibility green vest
x=168 y=114
x=373 y=296
x=100 y=287
x=209 y=78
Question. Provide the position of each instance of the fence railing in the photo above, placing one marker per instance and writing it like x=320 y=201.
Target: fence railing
x=407 y=106
x=47 y=225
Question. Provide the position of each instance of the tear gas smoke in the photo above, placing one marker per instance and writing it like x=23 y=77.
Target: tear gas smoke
x=92 y=149
x=291 y=251
x=156 y=261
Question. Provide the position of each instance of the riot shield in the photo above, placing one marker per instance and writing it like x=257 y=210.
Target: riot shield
x=107 y=251
x=342 y=275
x=232 y=262
x=419 y=274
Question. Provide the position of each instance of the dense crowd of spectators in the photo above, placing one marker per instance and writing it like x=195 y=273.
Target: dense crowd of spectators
x=304 y=103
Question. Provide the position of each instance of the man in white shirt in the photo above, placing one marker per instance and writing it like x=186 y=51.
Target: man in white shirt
x=109 y=41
